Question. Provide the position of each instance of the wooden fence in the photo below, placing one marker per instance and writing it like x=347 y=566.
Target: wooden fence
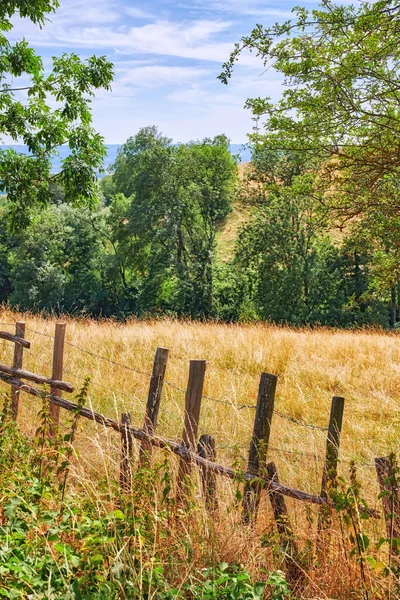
x=202 y=453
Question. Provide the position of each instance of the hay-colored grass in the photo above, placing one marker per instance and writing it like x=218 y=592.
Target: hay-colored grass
x=312 y=366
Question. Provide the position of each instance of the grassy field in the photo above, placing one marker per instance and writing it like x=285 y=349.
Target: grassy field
x=312 y=366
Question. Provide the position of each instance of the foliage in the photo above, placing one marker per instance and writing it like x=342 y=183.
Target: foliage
x=339 y=112
x=340 y=64
x=60 y=546
x=295 y=272
x=179 y=195
x=227 y=582
x=27 y=94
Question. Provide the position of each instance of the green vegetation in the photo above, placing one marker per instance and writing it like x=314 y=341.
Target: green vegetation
x=32 y=120
x=319 y=240
x=60 y=543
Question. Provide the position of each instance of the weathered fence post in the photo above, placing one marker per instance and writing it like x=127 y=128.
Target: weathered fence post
x=330 y=469
x=284 y=528
x=125 y=473
x=390 y=493
x=206 y=449
x=153 y=403
x=259 y=444
x=17 y=363
x=57 y=372
x=193 y=396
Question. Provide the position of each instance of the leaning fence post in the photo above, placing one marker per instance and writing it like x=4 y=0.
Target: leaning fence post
x=17 y=363
x=259 y=444
x=331 y=460
x=57 y=372
x=193 y=396
x=153 y=403
x=284 y=527
x=125 y=473
x=206 y=449
x=390 y=494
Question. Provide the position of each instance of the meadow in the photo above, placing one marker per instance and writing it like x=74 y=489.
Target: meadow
x=312 y=366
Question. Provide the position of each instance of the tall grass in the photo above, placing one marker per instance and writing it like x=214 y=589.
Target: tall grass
x=312 y=366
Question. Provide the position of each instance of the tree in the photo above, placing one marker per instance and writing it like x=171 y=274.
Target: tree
x=56 y=263
x=26 y=115
x=341 y=103
x=180 y=194
x=340 y=110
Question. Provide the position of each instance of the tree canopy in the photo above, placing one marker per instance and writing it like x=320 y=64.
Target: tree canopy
x=341 y=102
x=27 y=96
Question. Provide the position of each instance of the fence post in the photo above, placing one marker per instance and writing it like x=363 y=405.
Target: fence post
x=57 y=372
x=193 y=396
x=390 y=494
x=125 y=473
x=153 y=403
x=259 y=444
x=206 y=449
x=331 y=460
x=284 y=528
x=17 y=363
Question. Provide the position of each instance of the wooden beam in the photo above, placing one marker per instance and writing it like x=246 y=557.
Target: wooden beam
x=193 y=396
x=206 y=449
x=17 y=363
x=178 y=449
x=125 y=473
x=329 y=475
x=57 y=372
x=153 y=403
x=17 y=339
x=54 y=383
x=259 y=444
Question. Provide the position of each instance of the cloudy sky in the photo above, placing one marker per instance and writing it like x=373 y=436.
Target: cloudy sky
x=167 y=57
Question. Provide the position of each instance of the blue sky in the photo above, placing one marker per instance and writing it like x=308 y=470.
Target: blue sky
x=167 y=56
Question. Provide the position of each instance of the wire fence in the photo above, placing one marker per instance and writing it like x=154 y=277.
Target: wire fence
x=282 y=415
x=290 y=418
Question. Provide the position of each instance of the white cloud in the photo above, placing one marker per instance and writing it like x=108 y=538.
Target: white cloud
x=138 y=13
x=250 y=8
x=151 y=45
x=158 y=75
x=193 y=40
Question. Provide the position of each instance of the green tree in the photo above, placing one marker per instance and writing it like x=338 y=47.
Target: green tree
x=340 y=103
x=27 y=117
x=180 y=195
x=286 y=252
x=56 y=264
x=339 y=110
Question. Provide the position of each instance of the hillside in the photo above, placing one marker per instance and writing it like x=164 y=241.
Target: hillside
x=229 y=230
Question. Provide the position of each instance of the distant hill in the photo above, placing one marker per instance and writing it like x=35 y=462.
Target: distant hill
x=241 y=150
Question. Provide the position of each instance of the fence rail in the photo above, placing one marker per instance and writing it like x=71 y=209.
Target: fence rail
x=259 y=475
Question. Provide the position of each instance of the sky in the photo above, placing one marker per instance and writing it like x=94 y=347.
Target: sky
x=167 y=56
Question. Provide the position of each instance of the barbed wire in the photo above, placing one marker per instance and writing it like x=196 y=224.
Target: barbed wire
x=298 y=422
x=183 y=391
x=109 y=360
x=40 y=333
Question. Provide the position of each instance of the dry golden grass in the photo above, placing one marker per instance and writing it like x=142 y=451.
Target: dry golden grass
x=312 y=365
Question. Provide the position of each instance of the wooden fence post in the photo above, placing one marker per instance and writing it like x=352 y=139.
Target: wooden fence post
x=17 y=363
x=57 y=372
x=193 y=396
x=153 y=403
x=390 y=493
x=125 y=473
x=259 y=444
x=331 y=460
x=206 y=449
x=285 y=531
